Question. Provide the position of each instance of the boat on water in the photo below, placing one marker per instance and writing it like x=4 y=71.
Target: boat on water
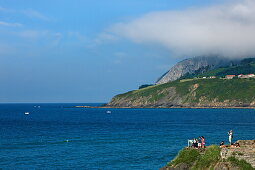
x=108 y=112
x=26 y=113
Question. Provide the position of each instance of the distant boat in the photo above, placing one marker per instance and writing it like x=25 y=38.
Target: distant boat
x=108 y=112
x=26 y=113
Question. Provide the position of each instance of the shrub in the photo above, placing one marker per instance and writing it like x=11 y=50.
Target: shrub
x=145 y=85
x=186 y=156
x=211 y=157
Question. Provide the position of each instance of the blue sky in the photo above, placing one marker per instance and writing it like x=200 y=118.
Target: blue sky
x=59 y=50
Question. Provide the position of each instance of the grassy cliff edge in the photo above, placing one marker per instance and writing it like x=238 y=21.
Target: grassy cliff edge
x=197 y=159
x=191 y=93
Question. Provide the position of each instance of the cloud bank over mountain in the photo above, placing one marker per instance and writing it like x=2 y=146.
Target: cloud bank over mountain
x=227 y=30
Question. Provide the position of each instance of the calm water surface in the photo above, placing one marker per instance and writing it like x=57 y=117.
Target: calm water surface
x=57 y=136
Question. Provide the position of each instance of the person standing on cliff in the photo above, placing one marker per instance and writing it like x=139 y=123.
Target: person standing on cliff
x=203 y=142
x=230 y=136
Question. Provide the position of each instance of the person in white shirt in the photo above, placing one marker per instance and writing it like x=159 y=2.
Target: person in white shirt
x=230 y=136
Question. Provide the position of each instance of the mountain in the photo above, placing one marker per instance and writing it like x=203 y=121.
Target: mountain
x=194 y=90
x=195 y=65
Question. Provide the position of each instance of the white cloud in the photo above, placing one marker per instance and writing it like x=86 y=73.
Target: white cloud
x=227 y=29
x=6 y=49
x=34 y=14
x=2 y=9
x=76 y=35
x=57 y=38
x=6 y=10
x=9 y=24
x=119 y=57
x=104 y=37
x=101 y=39
x=32 y=34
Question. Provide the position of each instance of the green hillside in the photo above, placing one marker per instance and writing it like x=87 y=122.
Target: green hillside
x=246 y=66
x=193 y=92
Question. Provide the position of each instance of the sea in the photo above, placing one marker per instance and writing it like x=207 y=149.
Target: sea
x=60 y=136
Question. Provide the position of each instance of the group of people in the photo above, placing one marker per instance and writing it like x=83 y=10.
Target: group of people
x=198 y=143
x=232 y=145
x=230 y=137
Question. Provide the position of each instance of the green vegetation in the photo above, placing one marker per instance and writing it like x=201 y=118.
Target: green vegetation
x=246 y=66
x=145 y=85
x=193 y=159
x=210 y=158
x=197 y=91
x=186 y=156
x=197 y=159
x=197 y=72
x=236 y=89
x=242 y=164
x=156 y=92
x=234 y=70
x=237 y=153
x=192 y=91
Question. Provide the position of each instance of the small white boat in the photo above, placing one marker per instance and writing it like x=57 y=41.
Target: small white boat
x=108 y=112
x=26 y=113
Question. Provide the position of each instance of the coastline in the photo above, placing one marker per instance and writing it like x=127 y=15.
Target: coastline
x=174 y=107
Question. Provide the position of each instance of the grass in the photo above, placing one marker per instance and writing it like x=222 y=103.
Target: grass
x=185 y=156
x=242 y=164
x=237 y=153
x=207 y=160
x=184 y=80
x=240 y=90
x=155 y=92
x=242 y=68
x=210 y=158
x=235 y=89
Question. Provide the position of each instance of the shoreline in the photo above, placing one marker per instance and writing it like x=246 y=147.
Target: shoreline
x=111 y=107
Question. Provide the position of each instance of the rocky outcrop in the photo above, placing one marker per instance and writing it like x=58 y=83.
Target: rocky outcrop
x=245 y=152
x=192 y=65
x=213 y=157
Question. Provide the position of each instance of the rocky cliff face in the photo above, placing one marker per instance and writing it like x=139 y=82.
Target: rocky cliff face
x=245 y=152
x=193 y=64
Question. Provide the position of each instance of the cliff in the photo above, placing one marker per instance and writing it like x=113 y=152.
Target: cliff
x=194 y=65
x=213 y=157
x=191 y=93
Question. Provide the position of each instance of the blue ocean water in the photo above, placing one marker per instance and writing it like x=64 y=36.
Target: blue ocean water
x=57 y=136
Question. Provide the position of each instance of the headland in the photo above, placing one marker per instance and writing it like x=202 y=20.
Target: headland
x=215 y=157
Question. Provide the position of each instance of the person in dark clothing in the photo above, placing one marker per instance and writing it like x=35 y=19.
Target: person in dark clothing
x=222 y=145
